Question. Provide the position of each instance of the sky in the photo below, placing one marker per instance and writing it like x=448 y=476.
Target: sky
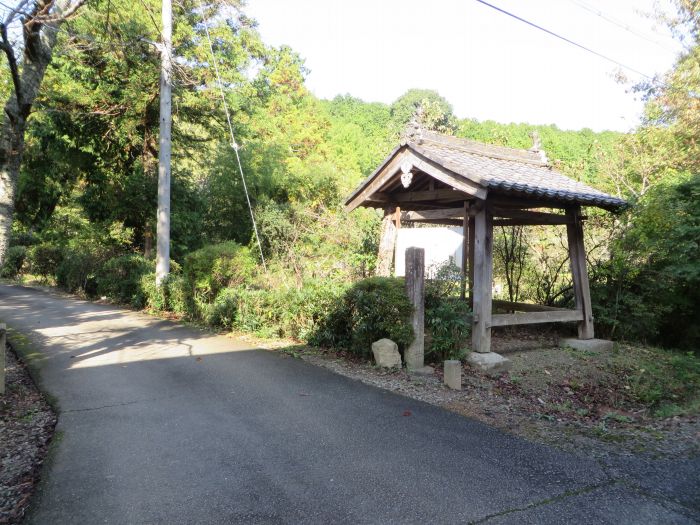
x=486 y=64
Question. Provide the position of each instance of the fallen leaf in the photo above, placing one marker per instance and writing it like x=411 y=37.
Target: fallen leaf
x=199 y=359
x=406 y=413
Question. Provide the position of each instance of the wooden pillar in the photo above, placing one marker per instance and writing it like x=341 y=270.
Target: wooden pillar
x=387 y=244
x=579 y=272
x=415 y=288
x=471 y=262
x=3 y=344
x=465 y=249
x=483 y=277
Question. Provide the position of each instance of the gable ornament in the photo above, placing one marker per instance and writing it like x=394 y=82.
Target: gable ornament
x=406 y=175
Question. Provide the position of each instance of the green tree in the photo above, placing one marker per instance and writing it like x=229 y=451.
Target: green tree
x=435 y=112
x=40 y=23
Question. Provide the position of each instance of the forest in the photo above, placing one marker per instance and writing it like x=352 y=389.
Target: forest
x=85 y=201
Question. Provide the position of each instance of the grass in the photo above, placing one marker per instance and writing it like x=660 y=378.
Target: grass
x=31 y=357
x=666 y=382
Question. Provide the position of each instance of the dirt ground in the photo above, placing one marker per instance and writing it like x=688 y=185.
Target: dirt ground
x=26 y=426
x=570 y=399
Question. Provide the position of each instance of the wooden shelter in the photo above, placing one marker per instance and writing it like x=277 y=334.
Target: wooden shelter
x=439 y=179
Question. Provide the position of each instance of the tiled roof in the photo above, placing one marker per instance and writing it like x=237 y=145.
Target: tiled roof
x=502 y=169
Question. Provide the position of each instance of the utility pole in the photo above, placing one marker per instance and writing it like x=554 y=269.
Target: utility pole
x=163 y=224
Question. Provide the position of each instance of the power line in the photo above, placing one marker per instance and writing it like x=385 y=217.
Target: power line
x=620 y=24
x=567 y=40
x=234 y=145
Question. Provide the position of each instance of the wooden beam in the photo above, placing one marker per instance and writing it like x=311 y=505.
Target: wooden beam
x=448 y=213
x=443 y=222
x=458 y=222
x=445 y=194
x=383 y=175
x=525 y=217
x=579 y=273
x=514 y=213
x=483 y=276
x=529 y=222
x=379 y=197
x=446 y=176
x=525 y=307
x=503 y=201
x=535 y=318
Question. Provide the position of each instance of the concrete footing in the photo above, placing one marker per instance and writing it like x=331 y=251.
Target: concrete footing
x=489 y=362
x=590 y=345
x=453 y=374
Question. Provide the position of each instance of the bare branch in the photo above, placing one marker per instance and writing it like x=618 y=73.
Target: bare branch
x=12 y=61
x=62 y=13
x=14 y=11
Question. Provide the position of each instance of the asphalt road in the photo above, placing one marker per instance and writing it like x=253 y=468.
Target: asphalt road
x=161 y=423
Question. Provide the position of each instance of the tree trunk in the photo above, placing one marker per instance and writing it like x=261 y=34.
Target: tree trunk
x=11 y=148
x=39 y=39
x=36 y=58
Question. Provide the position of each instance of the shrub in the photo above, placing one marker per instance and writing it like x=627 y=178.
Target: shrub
x=175 y=289
x=77 y=271
x=447 y=318
x=119 y=279
x=302 y=310
x=650 y=288
x=44 y=259
x=291 y=313
x=224 y=310
x=257 y=311
x=213 y=268
x=448 y=323
x=170 y=296
x=369 y=310
x=14 y=259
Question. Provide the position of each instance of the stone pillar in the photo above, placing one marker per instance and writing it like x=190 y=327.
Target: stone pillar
x=415 y=288
x=453 y=374
x=3 y=345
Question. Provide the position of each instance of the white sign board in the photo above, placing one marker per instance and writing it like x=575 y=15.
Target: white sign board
x=440 y=244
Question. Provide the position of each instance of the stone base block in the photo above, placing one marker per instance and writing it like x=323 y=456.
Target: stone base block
x=489 y=362
x=590 y=345
x=422 y=371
